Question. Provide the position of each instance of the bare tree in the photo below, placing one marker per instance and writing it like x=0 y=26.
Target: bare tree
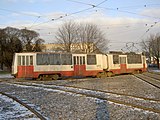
x=93 y=40
x=67 y=35
x=152 y=46
x=87 y=37
x=145 y=45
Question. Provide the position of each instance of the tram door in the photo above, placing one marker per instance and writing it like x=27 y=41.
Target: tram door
x=25 y=66
x=123 y=66
x=79 y=65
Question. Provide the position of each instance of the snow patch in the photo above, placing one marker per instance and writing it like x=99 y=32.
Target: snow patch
x=12 y=110
x=6 y=76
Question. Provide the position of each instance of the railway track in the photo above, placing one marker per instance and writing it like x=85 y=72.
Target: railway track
x=146 y=104
x=152 y=75
x=41 y=117
x=150 y=79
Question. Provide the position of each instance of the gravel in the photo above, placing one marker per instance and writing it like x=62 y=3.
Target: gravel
x=57 y=104
x=10 y=109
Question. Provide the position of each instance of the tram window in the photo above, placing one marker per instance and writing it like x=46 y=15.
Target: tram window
x=115 y=59
x=66 y=59
x=91 y=59
x=77 y=60
x=39 y=59
x=19 y=60
x=83 y=60
x=27 y=60
x=80 y=60
x=134 y=59
x=74 y=58
x=31 y=60
x=54 y=59
x=23 y=60
x=57 y=59
x=45 y=59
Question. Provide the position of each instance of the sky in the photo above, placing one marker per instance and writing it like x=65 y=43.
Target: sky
x=125 y=22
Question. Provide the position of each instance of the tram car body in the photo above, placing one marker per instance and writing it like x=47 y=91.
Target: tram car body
x=56 y=65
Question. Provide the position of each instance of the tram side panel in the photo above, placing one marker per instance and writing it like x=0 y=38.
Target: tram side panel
x=113 y=64
x=136 y=63
x=94 y=64
x=118 y=64
x=23 y=65
x=53 y=63
x=31 y=65
x=14 y=65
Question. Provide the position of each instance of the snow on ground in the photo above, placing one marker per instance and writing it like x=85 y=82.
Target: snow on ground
x=10 y=109
x=6 y=76
x=153 y=69
x=156 y=71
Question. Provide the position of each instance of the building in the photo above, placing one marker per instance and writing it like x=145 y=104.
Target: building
x=75 y=47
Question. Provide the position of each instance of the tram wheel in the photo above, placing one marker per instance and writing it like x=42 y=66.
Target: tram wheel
x=98 y=75
x=55 y=77
x=41 y=77
x=109 y=74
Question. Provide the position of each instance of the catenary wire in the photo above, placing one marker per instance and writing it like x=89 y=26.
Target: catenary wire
x=23 y=13
x=66 y=15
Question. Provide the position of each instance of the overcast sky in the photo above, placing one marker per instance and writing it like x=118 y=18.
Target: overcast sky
x=124 y=21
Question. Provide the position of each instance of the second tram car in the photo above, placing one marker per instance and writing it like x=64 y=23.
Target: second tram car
x=56 y=65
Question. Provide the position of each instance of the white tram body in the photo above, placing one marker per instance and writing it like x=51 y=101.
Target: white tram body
x=55 y=65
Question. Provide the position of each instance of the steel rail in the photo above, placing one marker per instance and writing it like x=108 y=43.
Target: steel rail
x=148 y=81
x=25 y=105
x=96 y=96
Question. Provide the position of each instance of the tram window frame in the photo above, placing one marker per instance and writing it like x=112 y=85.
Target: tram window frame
x=23 y=60
x=31 y=60
x=115 y=59
x=91 y=60
x=27 y=61
x=81 y=63
x=74 y=60
x=39 y=59
x=19 y=60
x=46 y=60
x=84 y=62
x=66 y=59
x=54 y=59
x=134 y=59
x=77 y=60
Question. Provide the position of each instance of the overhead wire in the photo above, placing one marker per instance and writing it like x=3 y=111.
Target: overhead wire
x=153 y=25
x=117 y=9
x=124 y=31
x=92 y=6
x=101 y=3
x=111 y=26
x=23 y=13
x=124 y=11
x=35 y=21
x=137 y=6
x=79 y=2
x=66 y=15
